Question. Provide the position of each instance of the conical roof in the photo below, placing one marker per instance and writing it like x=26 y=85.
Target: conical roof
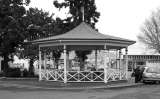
x=82 y=31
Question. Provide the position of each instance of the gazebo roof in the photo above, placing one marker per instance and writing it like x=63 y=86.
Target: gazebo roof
x=82 y=31
x=83 y=34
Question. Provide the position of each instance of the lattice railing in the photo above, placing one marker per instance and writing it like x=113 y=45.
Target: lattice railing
x=83 y=76
x=115 y=75
x=123 y=74
x=52 y=75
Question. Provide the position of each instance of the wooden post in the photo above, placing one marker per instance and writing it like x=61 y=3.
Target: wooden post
x=45 y=61
x=116 y=60
x=120 y=62
x=132 y=65
x=135 y=65
x=50 y=62
x=0 y=65
x=96 y=60
x=105 y=65
x=67 y=60
x=65 y=67
x=126 y=63
x=39 y=65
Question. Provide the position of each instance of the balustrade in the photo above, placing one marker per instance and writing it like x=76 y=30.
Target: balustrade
x=83 y=76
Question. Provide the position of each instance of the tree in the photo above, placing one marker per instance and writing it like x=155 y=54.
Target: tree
x=150 y=32
x=75 y=10
x=40 y=24
x=75 y=18
x=12 y=28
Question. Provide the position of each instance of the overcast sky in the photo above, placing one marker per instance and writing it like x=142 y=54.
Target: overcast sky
x=121 y=18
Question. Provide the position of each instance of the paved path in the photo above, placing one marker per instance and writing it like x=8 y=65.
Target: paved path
x=26 y=93
x=129 y=83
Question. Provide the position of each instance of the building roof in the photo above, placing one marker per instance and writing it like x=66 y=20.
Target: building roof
x=143 y=55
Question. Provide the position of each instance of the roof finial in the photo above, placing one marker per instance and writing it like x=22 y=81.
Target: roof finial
x=82 y=9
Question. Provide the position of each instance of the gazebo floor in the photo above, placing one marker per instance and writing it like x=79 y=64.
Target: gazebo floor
x=80 y=84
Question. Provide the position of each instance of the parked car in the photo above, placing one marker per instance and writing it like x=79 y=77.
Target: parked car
x=101 y=69
x=89 y=68
x=151 y=74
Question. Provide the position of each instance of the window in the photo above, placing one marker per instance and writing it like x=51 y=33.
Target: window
x=153 y=70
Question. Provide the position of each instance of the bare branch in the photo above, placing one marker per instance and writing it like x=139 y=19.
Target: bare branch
x=150 y=32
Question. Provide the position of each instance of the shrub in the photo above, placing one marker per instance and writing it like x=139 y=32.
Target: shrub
x=25 y=73
x=36 y=76
x=1 y=73
x=14 y=72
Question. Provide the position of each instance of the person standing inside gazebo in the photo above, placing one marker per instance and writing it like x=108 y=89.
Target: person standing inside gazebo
x=93 y=68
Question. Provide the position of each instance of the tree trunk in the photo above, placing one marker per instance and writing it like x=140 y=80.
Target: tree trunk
x=81 y=65
x=31 y=68
x=56 y=64
x=5 y=66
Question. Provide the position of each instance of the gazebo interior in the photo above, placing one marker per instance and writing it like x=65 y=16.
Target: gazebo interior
x=84 y=38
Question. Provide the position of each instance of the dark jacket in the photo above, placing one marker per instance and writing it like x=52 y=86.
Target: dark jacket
x=142 y=70
x=93 y=69
x=137 y=71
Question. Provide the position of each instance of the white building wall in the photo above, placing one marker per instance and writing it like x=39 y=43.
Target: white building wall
x=153 y=63
x=21 y=61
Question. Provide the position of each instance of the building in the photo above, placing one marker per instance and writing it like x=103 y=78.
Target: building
x=142 y=61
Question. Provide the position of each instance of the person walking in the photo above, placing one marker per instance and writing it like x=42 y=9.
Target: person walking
x=137 y=74
x=141 y=73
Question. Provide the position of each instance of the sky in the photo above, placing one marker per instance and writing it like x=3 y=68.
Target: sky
x=120 y=18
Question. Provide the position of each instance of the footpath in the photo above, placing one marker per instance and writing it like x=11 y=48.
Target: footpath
x=34 y=84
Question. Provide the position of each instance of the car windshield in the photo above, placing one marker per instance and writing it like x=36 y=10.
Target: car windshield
x=153 y=70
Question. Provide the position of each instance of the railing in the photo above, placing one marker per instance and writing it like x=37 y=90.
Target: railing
x=52 y=75
x=83 y=76
x=115 y=75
